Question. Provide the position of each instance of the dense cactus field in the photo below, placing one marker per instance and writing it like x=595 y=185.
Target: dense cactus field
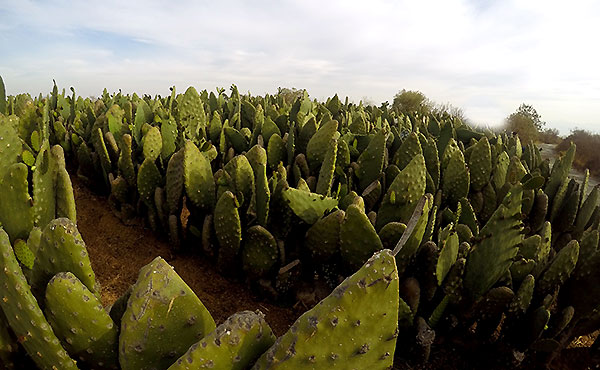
x=422 y=227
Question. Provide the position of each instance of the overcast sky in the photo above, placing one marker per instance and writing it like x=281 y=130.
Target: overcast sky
x=484 y=56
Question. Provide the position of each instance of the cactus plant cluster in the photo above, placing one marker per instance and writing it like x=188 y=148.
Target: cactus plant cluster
x=161 y=324
x=455 y=232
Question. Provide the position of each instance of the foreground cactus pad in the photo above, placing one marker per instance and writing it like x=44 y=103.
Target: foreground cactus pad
x=24 y=315
x=234 y=345
x=163 y=319
x=345 y=330
x=79 y=320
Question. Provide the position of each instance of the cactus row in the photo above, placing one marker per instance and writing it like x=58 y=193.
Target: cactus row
x=489 y=241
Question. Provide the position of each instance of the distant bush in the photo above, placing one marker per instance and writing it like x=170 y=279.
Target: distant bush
x=526 y=122
x=587 y=155
x=549 y=136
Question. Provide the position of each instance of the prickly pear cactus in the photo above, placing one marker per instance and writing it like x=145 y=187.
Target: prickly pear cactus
x=345 y=330
x=308 y=206
x=370 y=162
x=235 y=344
x=260 y=253
x=25 y=316
x=257 y=157
x=358 y=238
x=163 y=319
x=10 y=144
x=323 y=237
x=498 y=243
x=480 y=164
x=403 y=194
x=319 y=142
x=228 y=229
x=79 y=320
x=62 y=249
x=16 y=205
x=65 y=199
x=198 y=177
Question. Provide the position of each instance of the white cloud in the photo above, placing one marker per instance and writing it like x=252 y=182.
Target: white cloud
x=484 y=56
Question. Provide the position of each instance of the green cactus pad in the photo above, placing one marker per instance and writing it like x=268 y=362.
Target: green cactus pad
x=403 y=194
x=62 y=249
x=152 y=143
x=24 y=254
x=480 y=164
x=318 y=143
x=242 y=178
x=500 y=170
x=237 y=139
x=498 y=243
x=44 y=201
x=560 y=172
x=308 y=206
x=125 y=164
x=448 y=255
x=148 y=179
x=191 y=113
x=257 y=157
x=276 y=151
x=234 y=345
x=354 y=327
x=455 y=179
x=323 y=237
x=370 y=162
x=163 y=319
x=259 y=252
x=169 y=134
x=587 y=208
x=65 y=199
x=416 y=227
x=228 y=229
x=25 y=316
x=16 y=206
x=561 y=267
x=10 y=144
x=79 y=320
x=432 y=161
x=391 y=233
x=326 y=172
x=410 y=148
x=174 y=182
x=358 y=238
x=198 y=177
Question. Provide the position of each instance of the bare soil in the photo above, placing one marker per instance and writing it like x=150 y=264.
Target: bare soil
x=118 y=251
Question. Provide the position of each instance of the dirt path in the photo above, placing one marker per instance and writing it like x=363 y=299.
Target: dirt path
x=118 y=252
x=549 y=151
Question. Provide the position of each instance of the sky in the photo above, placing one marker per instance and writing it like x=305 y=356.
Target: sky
x=486 y=57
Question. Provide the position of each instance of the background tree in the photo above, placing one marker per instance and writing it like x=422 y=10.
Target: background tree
x=290 y=94
x=526 y=122
x=410 y=102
